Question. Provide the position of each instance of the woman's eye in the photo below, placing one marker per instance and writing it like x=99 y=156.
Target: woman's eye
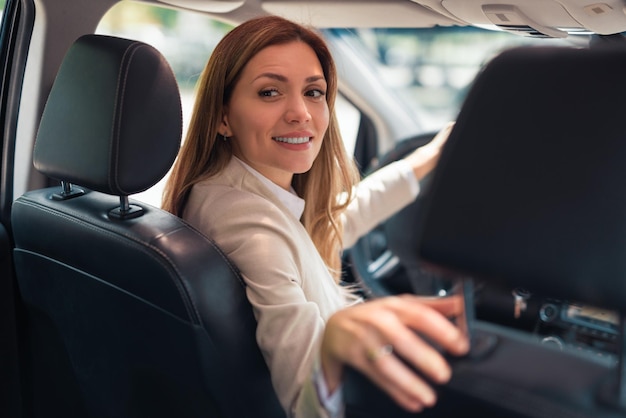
x=268 y=93
x=315 y=93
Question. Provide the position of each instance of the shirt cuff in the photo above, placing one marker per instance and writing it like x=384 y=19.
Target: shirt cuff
x=406 y=171
x=332 y=403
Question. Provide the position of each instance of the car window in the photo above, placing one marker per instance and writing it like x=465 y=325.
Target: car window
x=186 y=39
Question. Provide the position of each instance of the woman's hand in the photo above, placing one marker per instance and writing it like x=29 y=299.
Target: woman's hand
x=425 y=158
x=371 y=337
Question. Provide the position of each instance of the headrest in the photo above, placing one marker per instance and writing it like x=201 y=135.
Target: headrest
x=113 y=120
x=530 y=189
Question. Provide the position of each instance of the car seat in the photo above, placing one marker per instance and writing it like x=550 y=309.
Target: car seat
x=129 y=311
x=530 y=193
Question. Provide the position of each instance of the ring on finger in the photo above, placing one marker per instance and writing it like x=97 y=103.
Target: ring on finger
x=374 y=354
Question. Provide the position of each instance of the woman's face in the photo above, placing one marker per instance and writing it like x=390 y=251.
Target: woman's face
x=277 y=115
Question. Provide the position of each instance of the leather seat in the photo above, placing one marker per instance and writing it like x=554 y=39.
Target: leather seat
x=129 y=310
x=529 y=192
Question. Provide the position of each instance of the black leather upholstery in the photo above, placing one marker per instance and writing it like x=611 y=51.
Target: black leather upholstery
x=9 y=372
x=139 y=317
x=530 y=190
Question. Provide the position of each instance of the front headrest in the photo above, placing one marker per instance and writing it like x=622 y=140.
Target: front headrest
x=113 y=120
x=530 y=189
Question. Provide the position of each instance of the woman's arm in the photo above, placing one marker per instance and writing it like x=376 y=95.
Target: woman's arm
x=379 y=336
x=424 y=159
x=390 y=188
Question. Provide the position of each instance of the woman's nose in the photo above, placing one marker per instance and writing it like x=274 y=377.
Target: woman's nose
x=297 y=110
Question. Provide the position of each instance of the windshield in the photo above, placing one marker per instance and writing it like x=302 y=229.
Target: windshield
x=431 y=69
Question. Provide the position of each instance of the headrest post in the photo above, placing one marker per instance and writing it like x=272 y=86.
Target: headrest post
x=124 y=205
x=125 y=210
x=68 y=191
x=481 y=344
x=67 y=187
x=613 y=391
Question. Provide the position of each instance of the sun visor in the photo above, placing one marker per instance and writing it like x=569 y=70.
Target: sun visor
x=355 y=14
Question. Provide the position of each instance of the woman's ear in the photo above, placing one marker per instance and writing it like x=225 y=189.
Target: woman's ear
x=224 y=129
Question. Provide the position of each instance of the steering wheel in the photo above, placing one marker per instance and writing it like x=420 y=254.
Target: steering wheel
x=385 y=260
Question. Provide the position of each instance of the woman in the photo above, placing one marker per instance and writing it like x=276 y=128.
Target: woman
x=263 y=140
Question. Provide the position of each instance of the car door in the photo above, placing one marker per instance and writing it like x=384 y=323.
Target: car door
x=15 y=33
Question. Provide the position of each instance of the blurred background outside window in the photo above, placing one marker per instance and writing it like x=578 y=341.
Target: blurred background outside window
x=430 y=69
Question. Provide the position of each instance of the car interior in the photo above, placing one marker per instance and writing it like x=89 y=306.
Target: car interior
x=112 y=307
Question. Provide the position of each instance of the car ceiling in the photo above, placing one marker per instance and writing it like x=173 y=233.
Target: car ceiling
x=550 y=16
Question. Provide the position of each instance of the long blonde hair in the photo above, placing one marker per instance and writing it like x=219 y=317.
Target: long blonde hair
x=202 y=155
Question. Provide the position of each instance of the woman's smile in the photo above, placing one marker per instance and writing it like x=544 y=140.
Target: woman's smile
x=292 y=140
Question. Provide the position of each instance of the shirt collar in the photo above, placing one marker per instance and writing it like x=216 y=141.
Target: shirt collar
x=293 y=202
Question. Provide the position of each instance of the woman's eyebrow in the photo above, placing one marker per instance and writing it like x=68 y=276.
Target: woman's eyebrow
x=273 y=76
x=283 y=79
x=315 y=78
